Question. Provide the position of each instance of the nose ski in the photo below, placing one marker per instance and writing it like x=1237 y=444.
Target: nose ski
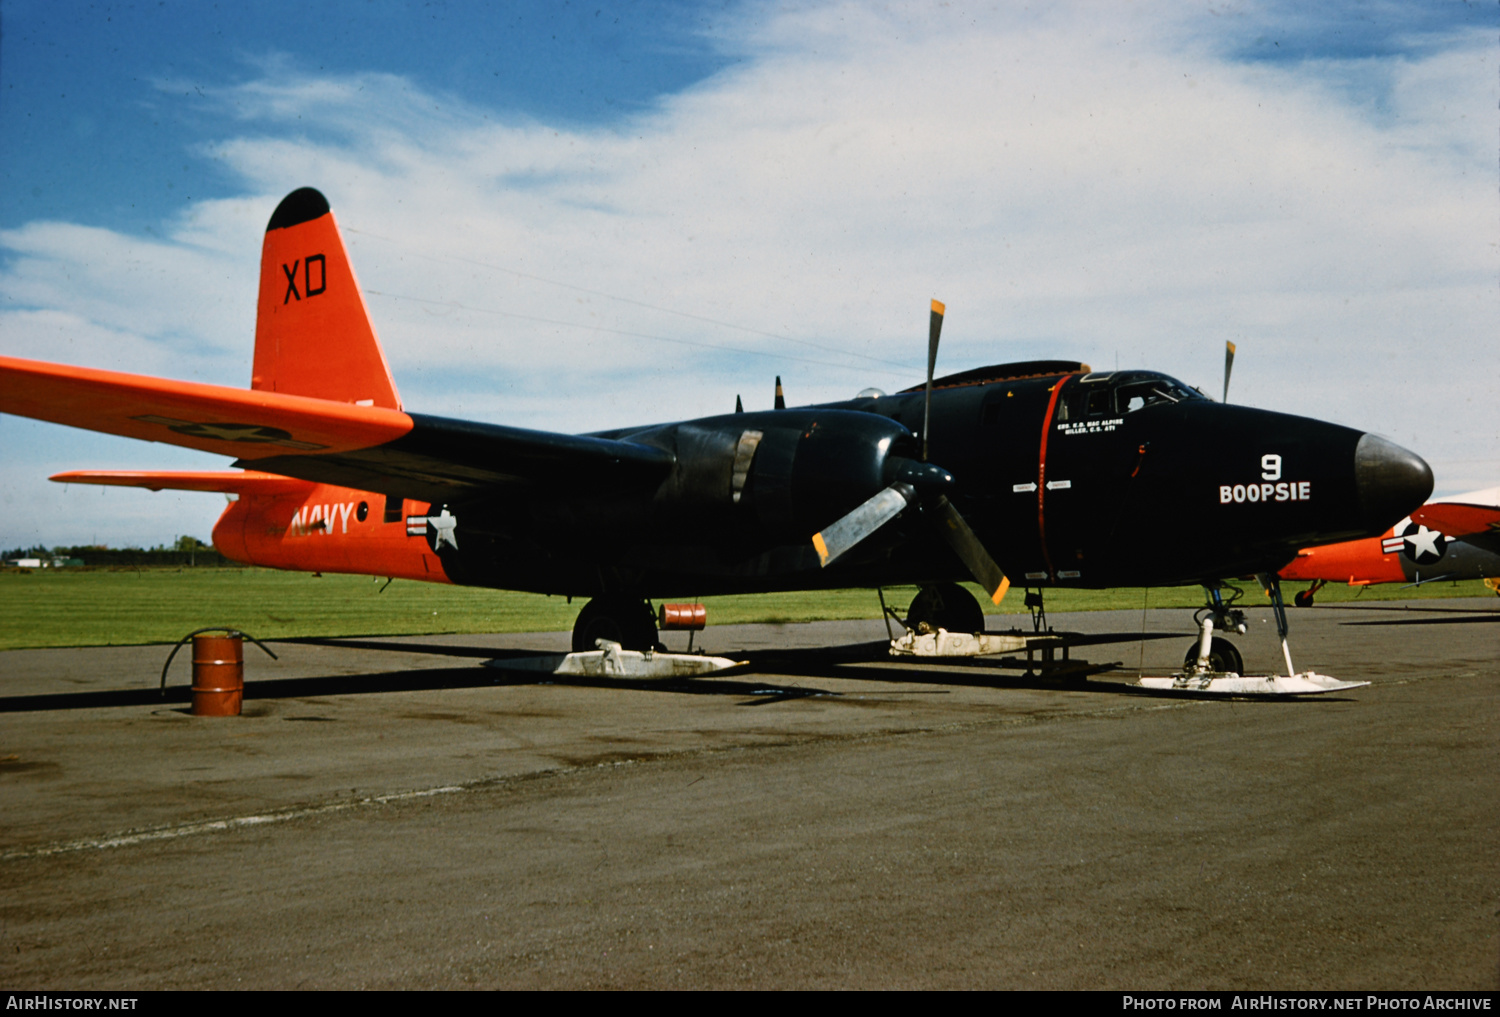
x=1200 y=677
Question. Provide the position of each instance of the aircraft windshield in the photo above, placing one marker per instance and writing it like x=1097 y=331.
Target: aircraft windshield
x=1119 y=394
x=1137 y=395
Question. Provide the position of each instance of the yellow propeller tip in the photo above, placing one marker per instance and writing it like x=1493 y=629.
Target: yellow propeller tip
x=821 y=548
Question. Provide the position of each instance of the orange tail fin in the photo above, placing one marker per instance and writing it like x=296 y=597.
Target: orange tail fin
x=313 y=335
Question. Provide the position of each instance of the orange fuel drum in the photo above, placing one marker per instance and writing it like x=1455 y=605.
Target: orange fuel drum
x=218 y=675
x=682 y=617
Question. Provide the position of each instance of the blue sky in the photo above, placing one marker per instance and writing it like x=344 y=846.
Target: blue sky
x=102 y=105
x=577 y=216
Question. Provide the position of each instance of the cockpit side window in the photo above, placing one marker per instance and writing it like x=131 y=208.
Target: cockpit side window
x=1108 y=396
x=1073 y=405
x=1086 y=402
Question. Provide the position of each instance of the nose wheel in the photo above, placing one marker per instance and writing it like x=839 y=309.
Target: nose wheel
x=1210 y=653
x=1223 y=656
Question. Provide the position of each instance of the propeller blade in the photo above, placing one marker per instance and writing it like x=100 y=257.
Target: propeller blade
x=1228 y=366
x=780 y=398
x=739 y=407
x=971 y=552
x=834 y=540
x=934 y=330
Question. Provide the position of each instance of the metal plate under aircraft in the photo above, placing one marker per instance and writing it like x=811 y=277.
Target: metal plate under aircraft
x=1231 y=684
x=613 y=661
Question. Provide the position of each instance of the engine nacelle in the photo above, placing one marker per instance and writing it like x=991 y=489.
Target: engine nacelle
x=778 y=474
x=820 y=467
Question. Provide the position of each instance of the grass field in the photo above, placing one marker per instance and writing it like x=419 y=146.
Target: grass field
x=100 y=607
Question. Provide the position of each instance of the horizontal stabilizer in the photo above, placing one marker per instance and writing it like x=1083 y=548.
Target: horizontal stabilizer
x=249 y=482
x=213 y=418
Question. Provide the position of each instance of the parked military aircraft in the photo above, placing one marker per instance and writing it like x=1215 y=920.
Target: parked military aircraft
x=1045 y=472
x=1455 y=538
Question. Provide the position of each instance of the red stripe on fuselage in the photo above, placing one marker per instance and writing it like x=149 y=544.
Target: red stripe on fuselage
x=1041 y=474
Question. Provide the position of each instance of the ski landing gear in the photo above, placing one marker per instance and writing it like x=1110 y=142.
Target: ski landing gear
x=944 y=620
x=944 y=606
x=1205 y=672
x=618 y=619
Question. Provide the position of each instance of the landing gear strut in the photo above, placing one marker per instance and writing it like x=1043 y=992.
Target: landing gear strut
x=622 y=620
x=1210 y=653
x=1272 y=583
x=1038 y=608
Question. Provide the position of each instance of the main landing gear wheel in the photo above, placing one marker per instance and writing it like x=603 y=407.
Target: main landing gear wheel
x=622 y=620
x=945 y=606
x=1223 y=656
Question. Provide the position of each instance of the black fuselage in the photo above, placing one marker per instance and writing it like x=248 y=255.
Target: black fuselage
x=1069 y=479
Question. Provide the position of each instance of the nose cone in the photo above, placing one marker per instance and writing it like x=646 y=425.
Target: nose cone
x=1391 y=481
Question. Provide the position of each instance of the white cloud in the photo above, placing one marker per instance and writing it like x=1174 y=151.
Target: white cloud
x=1121 y=190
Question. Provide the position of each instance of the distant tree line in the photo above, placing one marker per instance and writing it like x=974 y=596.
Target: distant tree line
x=186 y=551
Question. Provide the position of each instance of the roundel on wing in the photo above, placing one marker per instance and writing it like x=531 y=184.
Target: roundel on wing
x=232 y=432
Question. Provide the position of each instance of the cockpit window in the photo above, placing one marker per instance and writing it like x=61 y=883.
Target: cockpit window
x=1122 y=393
x=1137 y=395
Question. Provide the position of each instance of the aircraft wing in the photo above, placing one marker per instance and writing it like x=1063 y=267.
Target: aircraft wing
x=223 y=481
x=371 y=448
x=440 y=459
x=1473 y=518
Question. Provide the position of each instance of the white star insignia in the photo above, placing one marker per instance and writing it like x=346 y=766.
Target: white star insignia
x=446 y=525
x=1424 y=541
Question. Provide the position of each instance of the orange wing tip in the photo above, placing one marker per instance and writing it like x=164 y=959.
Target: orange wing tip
x=1458 y=519
x=242 y=423
x=821 y=548
x=1000 y=591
